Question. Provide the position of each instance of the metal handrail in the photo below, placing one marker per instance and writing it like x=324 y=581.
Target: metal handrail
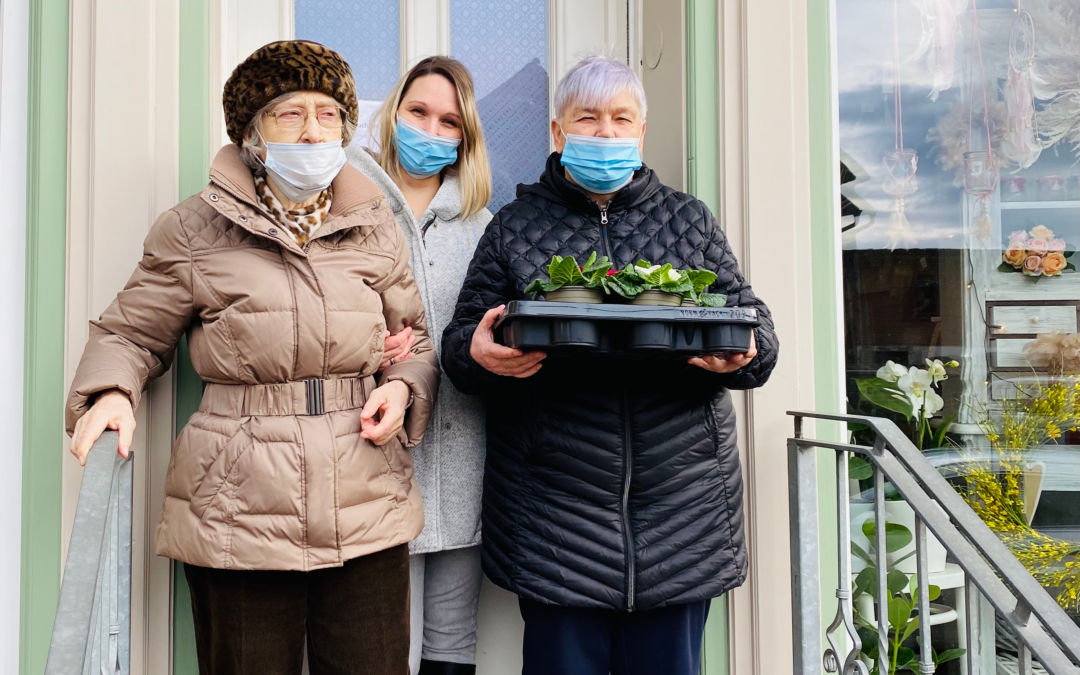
x=92 y=630
x=987 y=563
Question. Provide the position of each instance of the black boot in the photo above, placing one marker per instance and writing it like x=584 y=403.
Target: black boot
x=445 y=668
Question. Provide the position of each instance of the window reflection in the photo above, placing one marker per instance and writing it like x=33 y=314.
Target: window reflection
x=504 y=45
x=960 y=149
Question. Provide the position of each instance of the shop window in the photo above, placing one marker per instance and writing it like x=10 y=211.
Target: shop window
x=959 y=137
x=368 y=35
x=504 y=43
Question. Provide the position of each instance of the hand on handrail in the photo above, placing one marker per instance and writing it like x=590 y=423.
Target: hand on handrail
x=111 y=410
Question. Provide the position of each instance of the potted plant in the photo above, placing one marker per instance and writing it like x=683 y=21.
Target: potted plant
x=570 y=282
x=903 y=618
x=696 y=296
x=912 y=394
x=646 y=284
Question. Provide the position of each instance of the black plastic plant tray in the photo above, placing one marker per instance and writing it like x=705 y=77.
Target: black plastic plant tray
x=637 y=330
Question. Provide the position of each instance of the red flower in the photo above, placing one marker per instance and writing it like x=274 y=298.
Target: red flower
x=581 y=268
x=611 y=273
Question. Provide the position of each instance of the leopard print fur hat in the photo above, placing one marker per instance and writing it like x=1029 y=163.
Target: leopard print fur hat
x=282 y=67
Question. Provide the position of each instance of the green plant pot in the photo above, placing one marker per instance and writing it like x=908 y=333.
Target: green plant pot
x=688 y=302
x=660 y=298
x=588 y=296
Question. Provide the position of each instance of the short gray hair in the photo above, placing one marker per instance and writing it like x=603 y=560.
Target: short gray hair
x=253 y=147
x=594 y=81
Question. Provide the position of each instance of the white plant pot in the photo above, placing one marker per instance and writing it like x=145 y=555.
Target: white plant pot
x=901 y=513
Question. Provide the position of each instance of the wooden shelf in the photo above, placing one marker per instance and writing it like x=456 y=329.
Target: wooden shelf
x=1007 y=206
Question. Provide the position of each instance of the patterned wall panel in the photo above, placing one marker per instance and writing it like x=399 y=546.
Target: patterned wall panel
x=505 y=45
x=367 y=34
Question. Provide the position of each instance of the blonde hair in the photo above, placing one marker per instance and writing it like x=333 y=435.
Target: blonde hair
x=472 y=167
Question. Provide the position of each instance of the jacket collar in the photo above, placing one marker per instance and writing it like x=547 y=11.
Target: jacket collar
x=554 y=186
x=446 y=205
x=351 y=207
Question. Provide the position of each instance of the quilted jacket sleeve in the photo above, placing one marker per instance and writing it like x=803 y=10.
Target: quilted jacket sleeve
x=135 y=338
x=720 y=259
x=403 y=306
x=487 y=285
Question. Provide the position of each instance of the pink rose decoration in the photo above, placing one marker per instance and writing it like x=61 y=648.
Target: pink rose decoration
x=1037 y=246
x=611 y=273
x=1055 y=245
x=1018 y=235
x=1033 y=266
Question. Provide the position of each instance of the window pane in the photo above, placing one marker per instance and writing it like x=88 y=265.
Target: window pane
x=504 y=45
x=367 y=34
x=959 y=144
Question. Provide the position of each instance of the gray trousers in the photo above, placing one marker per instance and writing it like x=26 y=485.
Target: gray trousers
x=444 y=595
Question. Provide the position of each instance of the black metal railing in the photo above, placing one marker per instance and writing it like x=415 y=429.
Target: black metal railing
x=1042 y=628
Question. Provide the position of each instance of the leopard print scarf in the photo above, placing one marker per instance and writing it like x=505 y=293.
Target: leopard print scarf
x=299 y=223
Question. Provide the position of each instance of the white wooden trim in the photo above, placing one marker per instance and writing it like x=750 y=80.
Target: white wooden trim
x=766 y=203
x=425 y=30
x=14 y=80
x=238 y=28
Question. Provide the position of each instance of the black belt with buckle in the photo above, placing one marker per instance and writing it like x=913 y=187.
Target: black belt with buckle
x=314 y=397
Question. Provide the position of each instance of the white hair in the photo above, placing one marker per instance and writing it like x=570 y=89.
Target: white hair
x=594 y=81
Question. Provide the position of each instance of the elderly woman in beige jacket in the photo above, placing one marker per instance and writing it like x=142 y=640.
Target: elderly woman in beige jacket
x=290 y=494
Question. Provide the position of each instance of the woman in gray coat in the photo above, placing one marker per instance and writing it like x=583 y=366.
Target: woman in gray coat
x=433 y=167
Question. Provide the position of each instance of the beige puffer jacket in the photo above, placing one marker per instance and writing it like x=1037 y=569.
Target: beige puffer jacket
x=269 y=474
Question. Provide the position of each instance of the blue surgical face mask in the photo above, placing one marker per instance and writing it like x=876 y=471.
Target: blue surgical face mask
x=421 y=154
x=601 y=165
x=303 y=170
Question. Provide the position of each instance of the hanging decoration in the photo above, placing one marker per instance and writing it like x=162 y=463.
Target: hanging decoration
x=902 y=163
x=981 y=171
x=942 y=15
x=1054 y=70
x=1021 y=144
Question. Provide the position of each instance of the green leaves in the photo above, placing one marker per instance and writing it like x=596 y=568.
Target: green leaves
x=885 y=394
x=630 y=281
x=860 y=469
x=566 y=272
x=896 y=536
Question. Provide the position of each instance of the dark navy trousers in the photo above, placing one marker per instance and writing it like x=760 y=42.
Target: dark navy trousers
x=574 y=641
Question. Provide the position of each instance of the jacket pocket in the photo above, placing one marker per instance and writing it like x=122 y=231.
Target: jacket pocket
x=220 y=469
x=398 y=463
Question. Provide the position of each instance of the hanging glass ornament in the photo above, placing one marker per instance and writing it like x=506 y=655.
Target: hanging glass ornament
x=900 y=181
x=981 y=176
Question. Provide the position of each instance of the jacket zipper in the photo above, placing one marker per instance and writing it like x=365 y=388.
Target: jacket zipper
x=604 y=233
x=628 y=534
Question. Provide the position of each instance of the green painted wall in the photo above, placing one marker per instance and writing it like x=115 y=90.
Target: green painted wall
x=194 y=169
x=46 y=241
x=824 y=251
x=703 y=181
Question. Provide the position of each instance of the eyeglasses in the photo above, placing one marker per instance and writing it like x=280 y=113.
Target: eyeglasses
x=296 y=118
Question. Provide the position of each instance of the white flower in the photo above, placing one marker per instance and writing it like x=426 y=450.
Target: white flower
x=644 y=272
x=937 y=370
x=916 y=382
x=673 y=276
x=891 y=372
x=928 y=404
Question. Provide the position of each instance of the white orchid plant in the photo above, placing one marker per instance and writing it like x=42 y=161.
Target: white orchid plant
x=914 y=393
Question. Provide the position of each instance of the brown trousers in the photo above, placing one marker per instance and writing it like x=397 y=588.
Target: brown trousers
x=355 y=618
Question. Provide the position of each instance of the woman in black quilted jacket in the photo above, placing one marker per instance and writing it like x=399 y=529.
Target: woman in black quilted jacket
x=612 y=498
